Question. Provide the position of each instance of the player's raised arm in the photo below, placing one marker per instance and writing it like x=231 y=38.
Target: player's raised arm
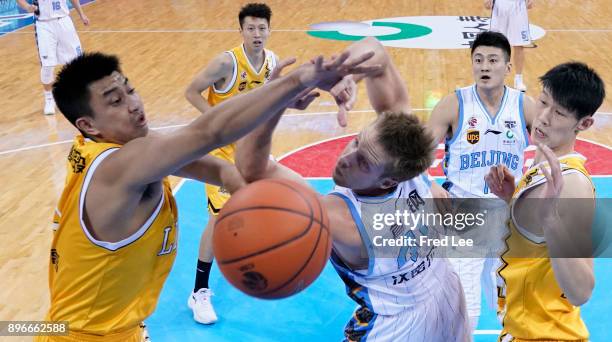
x=567 y=228
x=216 y=71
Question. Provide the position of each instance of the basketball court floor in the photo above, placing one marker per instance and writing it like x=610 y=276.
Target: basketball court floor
x=164 y=43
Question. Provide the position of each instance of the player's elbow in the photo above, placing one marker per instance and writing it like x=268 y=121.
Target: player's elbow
x=190 y=92
x=581 y=294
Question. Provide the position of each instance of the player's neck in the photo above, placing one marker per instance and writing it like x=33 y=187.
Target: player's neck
x=559 y=151
x=256 y=57
x=491 y=97
x=375 y=192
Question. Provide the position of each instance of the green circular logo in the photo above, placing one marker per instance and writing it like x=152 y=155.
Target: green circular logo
x=407 y=31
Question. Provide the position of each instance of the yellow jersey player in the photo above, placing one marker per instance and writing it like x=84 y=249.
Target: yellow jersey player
x=115 y=236
x=233 y=72
x=547 y=267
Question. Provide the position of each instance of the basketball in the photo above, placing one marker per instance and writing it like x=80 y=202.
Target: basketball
x=271 y=239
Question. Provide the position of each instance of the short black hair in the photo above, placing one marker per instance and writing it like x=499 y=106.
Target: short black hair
x=256 y=10
x=495 y=39
x=576 y=87
x=71 y=88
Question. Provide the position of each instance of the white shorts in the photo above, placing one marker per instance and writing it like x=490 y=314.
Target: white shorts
x=478 y=271
x=57 y=41
x=442 y=318
x=510 y=18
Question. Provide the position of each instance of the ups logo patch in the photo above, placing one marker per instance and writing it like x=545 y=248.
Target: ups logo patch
x=473 y=136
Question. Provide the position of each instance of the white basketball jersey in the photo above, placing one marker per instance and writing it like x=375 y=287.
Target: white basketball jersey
x=51 y=9
x=483 y=140
x=397 y=277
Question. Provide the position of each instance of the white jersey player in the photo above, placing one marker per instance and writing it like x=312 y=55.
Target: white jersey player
x=56 y=39
x=484 y=125
x=406 y=293
x=510 y=18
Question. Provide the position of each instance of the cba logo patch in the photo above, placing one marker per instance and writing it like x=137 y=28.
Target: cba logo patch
x=473 y=136
x=243 y=75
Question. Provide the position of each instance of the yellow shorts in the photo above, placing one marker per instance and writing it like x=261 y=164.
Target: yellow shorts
x=217 y=197
x=136 y=334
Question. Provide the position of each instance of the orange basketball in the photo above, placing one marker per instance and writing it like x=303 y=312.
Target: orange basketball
x=271 y=239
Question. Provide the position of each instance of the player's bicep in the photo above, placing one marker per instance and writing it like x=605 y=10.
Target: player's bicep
x=146 y=160
x=221 y=67
x=442 y=116
x=529 y=111
x=576 y=209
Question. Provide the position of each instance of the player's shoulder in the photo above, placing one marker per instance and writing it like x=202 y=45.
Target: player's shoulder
x=448 y=106
x=577 y=185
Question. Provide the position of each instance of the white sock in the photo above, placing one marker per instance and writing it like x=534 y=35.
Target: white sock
x=48 y=95
x=518 y=78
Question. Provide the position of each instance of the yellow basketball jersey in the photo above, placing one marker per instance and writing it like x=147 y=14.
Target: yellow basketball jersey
x=244 y=78
x=532 y=304
x=104 y=288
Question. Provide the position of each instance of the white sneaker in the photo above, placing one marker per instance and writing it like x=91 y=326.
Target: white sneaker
x=200 y=303
x=49 y=107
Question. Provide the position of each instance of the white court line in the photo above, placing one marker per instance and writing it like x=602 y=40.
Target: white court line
x=487 y=332
x=33 y=147
x=275 y=30
x=179 y=186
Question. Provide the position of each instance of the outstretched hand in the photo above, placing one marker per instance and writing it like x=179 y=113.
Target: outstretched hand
x=303 y=99
x=345 y=95
x=326 y=74
x=501 y=182
x=551 y=190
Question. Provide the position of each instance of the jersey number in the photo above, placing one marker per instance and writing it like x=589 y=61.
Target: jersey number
x=56 y=5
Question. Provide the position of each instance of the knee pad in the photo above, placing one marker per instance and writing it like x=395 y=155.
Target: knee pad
x=46 y=74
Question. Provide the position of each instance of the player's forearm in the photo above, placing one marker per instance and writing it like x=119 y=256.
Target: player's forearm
x=212 y=170
x=575 y=278
x=24 y=5
x=386 y=89
x=232 y=119
x=77 y=6
x=573 y=271
x=253 y=151
x=196 y=100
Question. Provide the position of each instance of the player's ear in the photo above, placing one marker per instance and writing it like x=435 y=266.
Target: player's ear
x=86 y=125
x=585 y=123
x=388 y=182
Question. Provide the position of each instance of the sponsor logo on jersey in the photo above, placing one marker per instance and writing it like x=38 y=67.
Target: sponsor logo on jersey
x=510 y=124
x=511 y=140
x=242 y=86
x=530 y=176
x=492 y=131
x=76 y=160
x=243 y=75
x=473 y=136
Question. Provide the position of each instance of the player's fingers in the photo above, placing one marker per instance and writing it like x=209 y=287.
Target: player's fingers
x=334 y=64
x=341 y=116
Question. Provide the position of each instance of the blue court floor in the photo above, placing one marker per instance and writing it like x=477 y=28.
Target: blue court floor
x=319 y=313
